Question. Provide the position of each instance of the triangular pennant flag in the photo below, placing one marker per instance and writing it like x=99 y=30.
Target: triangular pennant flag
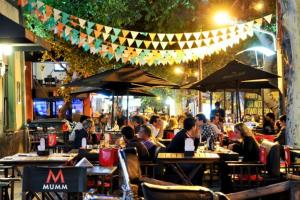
x=89 y=31
x=49 y=11
x=152 y=36
x=250 y=24
x=181 y=44
x=258 y=21
x=116 y=31
x=68 y=30
x=268 y=18
x=138 y=51
x=216 y=40
x=147 y=43
x=105 y=36
x=122 y=40
x=97 y=33
x=57 y=15
x=144 y=33
x=198 y=43
x=98 y=43
x=155 y=44
x=90 y=39
x=207 y=41
x=250 y=32
x=170 y=37
x=163 y=44
x=130 y=49
x=205 y=34
x=82 y=23
x=130 y=41
x=134 y=34
x=99 y=27
x=107 y=29
x=114 y=47
x=190 y=43
x=223 y=31
x=90 y=24
x=161 y=36
x=178 y=36
x=197 y=35
x=39 y=4
x=241 y=26
x=187 y=35
x=121 y=49
x=125 y=33
x=65 y=18
x=232 y=29
x=215 y=32
x=113 y=38
x=138 y=43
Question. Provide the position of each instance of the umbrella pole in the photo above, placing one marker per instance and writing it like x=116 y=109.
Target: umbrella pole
x=225 y=100
x=263 y=102
x=112 y=110
x=127 y=111
x=210 y=100
x=237 y=102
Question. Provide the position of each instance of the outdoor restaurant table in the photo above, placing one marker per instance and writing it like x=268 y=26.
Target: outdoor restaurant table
x=21 y=159
x=175 y=159
x=295 y=155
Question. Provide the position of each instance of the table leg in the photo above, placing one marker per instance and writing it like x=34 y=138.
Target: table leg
x=181 y=174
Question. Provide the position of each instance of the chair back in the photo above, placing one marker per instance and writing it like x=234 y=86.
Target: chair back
x=108 y=157
x=287 y=155
x=159 y=192
x=55 y=179
x=273 y=157
x=126 y=186
x=133 y=164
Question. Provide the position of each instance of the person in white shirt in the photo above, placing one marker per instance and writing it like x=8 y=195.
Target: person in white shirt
x=156 y=125
x=78 y=126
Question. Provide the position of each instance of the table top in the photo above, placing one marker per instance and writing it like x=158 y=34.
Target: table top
x=203 y=157
x=296 y=151
x=100 y=171
x=33 y=158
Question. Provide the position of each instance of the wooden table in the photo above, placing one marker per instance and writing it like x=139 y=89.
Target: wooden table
x=21 y=159
x=175 y=160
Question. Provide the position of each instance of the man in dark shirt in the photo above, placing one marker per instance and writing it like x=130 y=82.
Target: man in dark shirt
x=132 y=141
x=189 y=131
x=218 y=111
x=177 y=146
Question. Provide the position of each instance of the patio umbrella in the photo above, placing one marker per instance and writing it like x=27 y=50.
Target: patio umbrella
x=131 y=92
x=122 y=79
x=233 y=74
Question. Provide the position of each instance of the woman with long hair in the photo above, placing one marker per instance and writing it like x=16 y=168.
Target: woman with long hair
x=246 y=145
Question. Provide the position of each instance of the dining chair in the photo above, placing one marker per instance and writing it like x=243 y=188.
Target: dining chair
x=8 y=182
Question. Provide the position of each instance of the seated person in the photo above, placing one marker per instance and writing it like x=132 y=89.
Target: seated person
x=87 y=131
x=189 y=131
x=145 y=136
x=132 y=141
x=207 y=131
x=78 y=126
x=246 y=145
x=269 y=123
x=177 y=145
x=280 y=138
x=136 y=122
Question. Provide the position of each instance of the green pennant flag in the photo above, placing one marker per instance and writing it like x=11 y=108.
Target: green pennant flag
x=147 y=51
x=89 y=31
x=109 y=55
x=90 y=24
x=65 y=18
x=120 y=49
x=75 y=36
x=113 y=38
x=50 y=23
x=86 y=47
x=117 y=31
x=98 y=42
x=65 y=36
x=138 y=43
x=144 y=33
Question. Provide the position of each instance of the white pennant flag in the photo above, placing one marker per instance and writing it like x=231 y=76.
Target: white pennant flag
x=57 y=15
x=161 y=36
x=205 y=34
x=187 y=35
x=163 y=44
x=107 y=29
x=268 y=18
x=170 y=37
x=82 y=23
x=39 y=4
x=130 y=41
x=190 y=43
x=197 y=35
x=155 y=44
x=67 y=30
x=134 y=34
x=198 y=43
x=181 y=44
x=215 y=32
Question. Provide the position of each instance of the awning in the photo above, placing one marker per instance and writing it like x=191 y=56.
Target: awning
x=19 y=38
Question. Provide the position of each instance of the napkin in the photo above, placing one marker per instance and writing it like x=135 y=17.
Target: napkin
x=189 y=144
x=84 y=163
x=83 y=143
x=42 y=145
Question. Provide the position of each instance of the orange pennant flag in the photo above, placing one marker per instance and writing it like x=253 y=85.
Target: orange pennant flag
x=97 y=33
x=99 y=27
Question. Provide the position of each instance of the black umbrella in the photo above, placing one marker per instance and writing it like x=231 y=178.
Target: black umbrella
x=131 y=92
x=122 y=78
x=233 y=74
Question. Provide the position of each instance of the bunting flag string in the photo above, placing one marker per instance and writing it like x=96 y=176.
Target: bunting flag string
x=140 y=47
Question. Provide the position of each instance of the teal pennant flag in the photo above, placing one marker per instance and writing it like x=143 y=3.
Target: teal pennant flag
x=109 y=56
x=65 y=18
x=98 y=42
x=50 y=24
x=65 y=36
x=116 y=31
x=86 y=47
x=89 y=31
x=138 y=43
x=75 y=36
x=90 y=25
x=113 y=38
x=120 y=49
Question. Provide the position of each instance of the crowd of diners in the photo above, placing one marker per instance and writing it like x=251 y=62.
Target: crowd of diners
x=144 y=133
